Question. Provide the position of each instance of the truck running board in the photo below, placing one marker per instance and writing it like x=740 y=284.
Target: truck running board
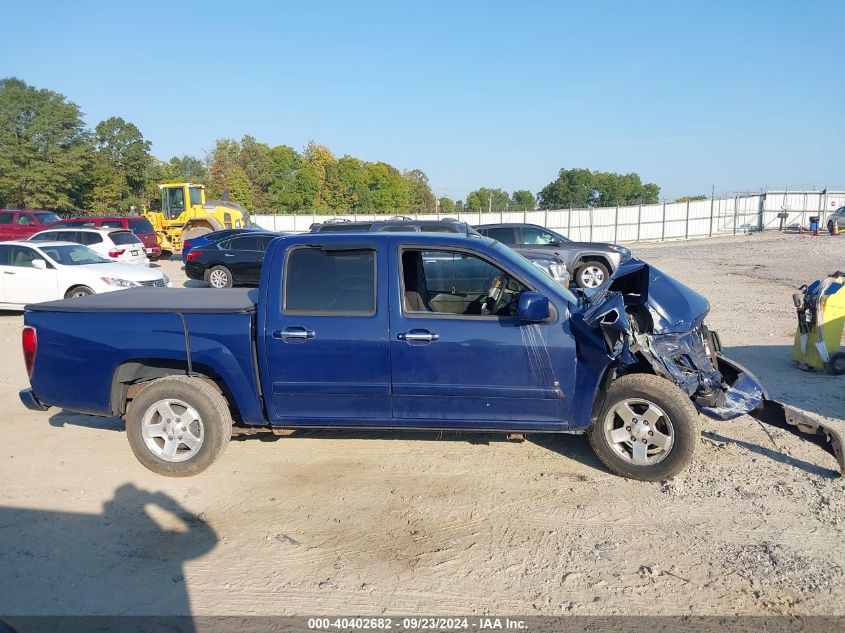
x=805 y=425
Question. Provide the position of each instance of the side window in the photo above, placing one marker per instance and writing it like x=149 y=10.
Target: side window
x=332 y=282
x=112 y=224
x=534 y=235
x=264 y=241
x=196 y=195
x=398 y=228
x=22 y=257
x=6 y=218
x=5 y=255
x=25 y=220
x=65 y=236
x=245 y=243
x=503 y=234
x=86 y=238
x=48 y=236
x=456 y=283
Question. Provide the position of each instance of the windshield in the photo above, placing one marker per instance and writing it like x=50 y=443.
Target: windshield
x=518 y=261
x=46 y=217
x=73 y=255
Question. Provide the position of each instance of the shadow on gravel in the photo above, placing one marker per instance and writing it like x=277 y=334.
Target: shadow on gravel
x=820 y=392
x=775 y=455
x=127 y=560
x=87 y=421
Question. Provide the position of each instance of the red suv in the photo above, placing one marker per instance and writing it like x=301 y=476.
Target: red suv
x=139 y=226
x=19 y=224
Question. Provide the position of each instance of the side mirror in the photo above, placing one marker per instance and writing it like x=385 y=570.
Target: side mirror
x=533 y=307
x=40 y=264
x=554 y=243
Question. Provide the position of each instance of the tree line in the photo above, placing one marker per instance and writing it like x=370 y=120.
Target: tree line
x=49 y=159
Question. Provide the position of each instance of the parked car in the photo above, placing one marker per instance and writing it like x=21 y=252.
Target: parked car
x=118 y=245
x=838 y=218
x=19 y=224
x=138 y=225
x=590 y=263
x=546 y=261
x=233 y=261
x=397 y=331
x=31 y=272
x=213 y=236
x=394 y=224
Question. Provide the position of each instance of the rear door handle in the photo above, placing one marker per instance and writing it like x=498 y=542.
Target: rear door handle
x=228 y=254
x=294 y=334
x=417 y=336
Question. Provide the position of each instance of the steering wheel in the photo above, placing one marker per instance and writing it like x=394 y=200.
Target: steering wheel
x=494 y=295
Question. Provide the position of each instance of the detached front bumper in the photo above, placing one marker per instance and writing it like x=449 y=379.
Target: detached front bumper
x=29 y=400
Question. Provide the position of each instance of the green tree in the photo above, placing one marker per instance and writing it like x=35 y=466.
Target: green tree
x=447 y=205
x=387 y=191
x=581 y=188
x=690 y=198
x=45 y=152
x=254 y=159
x=523 y=200
x=240 y=188
x=488 y=199
x=125 y=151
x=221 y=160
x=421 y=198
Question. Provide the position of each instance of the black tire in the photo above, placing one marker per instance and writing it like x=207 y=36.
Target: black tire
x=830 y=226
x=78 y=291
x=213 y=415
x=678 y=422
x=836 y=364
x=588 y=272
x=223 y=273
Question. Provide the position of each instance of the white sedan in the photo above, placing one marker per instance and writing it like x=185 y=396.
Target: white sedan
x=117 y=245
x=31 y=272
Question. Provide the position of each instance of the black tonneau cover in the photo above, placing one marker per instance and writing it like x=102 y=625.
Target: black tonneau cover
x=231 y=300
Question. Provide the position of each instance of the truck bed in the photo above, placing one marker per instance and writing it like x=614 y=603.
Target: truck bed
x=181 y=300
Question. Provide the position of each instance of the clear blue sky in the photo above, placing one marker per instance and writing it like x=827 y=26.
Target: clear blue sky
x=739 y=95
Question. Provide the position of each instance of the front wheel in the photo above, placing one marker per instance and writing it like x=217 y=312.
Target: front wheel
x=178 y=426
x=591 y=275
x=646 y=429
x=78 y=291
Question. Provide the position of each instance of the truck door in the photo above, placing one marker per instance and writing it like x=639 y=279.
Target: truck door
x=326 y=348
x=459 y=354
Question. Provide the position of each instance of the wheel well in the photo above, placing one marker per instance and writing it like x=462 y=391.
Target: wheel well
x=591 y=258
x=132 y=376
x=75 y=286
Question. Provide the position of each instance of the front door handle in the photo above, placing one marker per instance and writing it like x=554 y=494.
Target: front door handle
x=294 y=334
x=417 y=336
x=228 y=254
x=8 y=272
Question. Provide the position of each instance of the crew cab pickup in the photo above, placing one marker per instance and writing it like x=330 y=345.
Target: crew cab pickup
x=398 y=331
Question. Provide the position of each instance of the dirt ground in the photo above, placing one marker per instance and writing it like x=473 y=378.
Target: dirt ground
x=399 y=523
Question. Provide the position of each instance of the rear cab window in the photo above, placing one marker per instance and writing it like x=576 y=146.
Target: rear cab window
x=333 y=280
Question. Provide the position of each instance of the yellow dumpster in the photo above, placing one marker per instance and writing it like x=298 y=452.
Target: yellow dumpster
x=821 y=320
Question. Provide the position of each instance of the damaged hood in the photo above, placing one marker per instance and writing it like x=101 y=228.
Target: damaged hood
x=647 y=316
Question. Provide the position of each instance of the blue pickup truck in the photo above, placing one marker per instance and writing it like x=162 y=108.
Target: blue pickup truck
x=396 y=331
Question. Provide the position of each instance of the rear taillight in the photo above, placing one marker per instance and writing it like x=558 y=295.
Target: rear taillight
x=30 y=346
x=116 y=252
x=193 y=255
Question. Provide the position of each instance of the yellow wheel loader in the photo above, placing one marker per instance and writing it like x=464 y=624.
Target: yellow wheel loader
x=185 y=214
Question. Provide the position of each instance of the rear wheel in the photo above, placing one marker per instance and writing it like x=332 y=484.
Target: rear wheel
x=219 y=277
x=79 y=291
x=836 y=364
x=591 y=275
x=646 y=429
x=178 y=426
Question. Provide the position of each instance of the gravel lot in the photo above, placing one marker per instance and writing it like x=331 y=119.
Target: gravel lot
x=345 y=523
